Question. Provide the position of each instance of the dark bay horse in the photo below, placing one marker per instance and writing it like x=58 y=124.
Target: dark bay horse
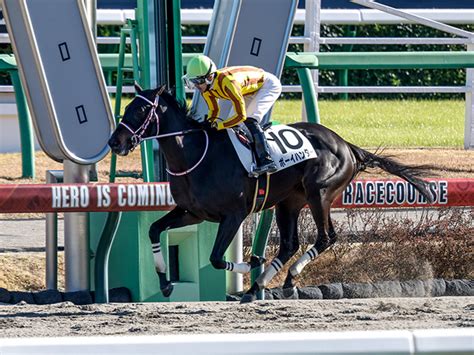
x=209 y=183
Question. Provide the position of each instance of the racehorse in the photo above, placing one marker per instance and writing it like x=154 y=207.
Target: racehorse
x=208 y=183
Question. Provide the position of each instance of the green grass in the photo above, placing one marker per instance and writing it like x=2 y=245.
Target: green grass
x=385 y=123
x=397 y=123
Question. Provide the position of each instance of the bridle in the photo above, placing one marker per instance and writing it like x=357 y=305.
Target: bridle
x=137 y=135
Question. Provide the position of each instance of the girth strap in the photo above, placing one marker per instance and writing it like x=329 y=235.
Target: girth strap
x=262 y=187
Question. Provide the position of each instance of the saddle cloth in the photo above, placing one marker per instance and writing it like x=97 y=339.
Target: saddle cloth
x=288 y=147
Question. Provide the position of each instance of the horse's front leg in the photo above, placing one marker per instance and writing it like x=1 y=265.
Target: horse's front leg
x=228 y=227
x=178 y=217
x=287 y=213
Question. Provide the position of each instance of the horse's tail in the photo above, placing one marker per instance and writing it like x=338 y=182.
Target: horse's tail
x=410 y=173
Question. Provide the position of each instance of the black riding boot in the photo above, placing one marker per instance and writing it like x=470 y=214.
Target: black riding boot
x=265 y=163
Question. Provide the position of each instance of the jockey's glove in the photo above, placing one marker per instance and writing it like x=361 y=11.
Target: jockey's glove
x=216 y=123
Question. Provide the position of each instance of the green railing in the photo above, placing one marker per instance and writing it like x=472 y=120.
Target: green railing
x=303 y=62
x=8 y=64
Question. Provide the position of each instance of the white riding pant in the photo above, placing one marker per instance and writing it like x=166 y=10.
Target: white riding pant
x=257 y=105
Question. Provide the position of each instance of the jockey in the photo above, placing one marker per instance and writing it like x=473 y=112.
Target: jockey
x=252 y=92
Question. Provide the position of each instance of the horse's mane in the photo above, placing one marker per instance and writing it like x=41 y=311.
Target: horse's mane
x=182 y=107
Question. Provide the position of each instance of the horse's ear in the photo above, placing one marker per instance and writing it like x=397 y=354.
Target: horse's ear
x=138 y=88
x=160 y=90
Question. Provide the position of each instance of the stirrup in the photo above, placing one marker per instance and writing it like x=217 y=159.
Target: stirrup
x=269 y=168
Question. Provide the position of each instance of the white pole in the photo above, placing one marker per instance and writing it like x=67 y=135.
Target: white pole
x=235 y=281
x=51 y=241
x=469 y=114
x=312 y=30
x=76 y=234
x=91 y=6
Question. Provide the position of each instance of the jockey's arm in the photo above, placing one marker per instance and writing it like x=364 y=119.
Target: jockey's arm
x=213 y=106
x=235 y=96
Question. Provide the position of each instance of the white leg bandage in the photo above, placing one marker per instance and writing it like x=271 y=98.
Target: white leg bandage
x=158 y=257
x=269 y=273
x=299 y=265
x=241 y=268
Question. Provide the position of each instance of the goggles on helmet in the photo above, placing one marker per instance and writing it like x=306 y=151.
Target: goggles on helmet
x=191 y=83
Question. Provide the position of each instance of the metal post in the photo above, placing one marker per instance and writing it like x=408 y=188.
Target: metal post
x=309 y=94
x=235 y=281
x=91 y=10
x=91 y=6
x=312 y=30
x=260 y=244
x=469 y=115
x=52 y=177
x=177 y=50
x=147 y=37
x=76 y=234
x=343 y=75
x=101 y=271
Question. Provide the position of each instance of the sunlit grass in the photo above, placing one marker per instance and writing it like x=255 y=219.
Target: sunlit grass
x=397 y=123
x=385 y=123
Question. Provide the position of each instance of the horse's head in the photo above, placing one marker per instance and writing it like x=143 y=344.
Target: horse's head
x=141 y=119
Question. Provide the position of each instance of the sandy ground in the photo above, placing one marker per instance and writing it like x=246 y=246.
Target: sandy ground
x=66 y=319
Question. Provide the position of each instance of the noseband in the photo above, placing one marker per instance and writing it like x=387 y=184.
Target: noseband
x=137 y=135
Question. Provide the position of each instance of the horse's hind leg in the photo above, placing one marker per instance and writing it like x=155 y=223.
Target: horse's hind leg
x=320 y=210
x=176 y=218
x=319 y=199
x=287 y=213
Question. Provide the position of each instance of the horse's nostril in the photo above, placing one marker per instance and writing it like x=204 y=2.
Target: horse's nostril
x=112 y=143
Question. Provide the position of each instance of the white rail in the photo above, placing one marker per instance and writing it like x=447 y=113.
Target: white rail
x=401 y=342
x=340 y=17
x=328 y=16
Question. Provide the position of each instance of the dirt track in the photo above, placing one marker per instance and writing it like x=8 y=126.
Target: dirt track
x=66 y=319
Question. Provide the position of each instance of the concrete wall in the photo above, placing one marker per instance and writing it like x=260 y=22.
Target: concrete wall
x=9 y=129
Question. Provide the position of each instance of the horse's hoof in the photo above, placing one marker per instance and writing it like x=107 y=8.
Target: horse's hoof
x=256 y=261
x=248 y=297
x=166 y=291
x=290 y=293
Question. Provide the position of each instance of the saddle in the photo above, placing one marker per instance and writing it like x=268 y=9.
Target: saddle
x=244 y=135
x=288 y=146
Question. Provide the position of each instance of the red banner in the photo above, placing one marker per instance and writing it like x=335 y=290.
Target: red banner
x=85 y=197
x=157 y=196
x=385 y=193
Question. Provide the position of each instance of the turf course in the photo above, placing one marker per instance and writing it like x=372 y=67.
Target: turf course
x=397 y=123
x=386 y=123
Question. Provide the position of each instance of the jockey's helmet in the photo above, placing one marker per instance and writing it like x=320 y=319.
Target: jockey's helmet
x=197 y=71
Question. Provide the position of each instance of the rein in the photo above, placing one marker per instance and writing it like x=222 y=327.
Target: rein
x=137 y=135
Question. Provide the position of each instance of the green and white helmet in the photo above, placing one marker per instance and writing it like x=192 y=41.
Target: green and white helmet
x=198 y=69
